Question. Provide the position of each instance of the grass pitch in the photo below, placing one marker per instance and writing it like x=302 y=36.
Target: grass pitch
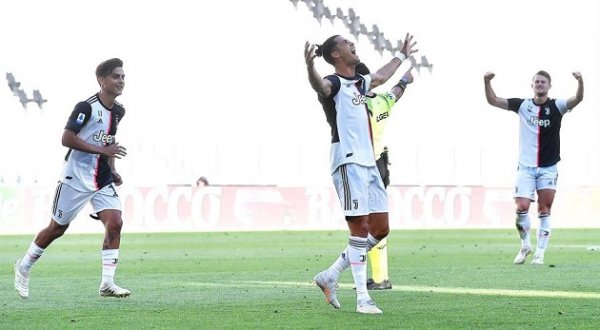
x=263 y=280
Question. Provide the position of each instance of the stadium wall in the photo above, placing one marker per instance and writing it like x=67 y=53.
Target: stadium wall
x=25 y=210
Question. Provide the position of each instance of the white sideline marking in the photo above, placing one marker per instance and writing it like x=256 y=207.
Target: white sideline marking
x=432 y=289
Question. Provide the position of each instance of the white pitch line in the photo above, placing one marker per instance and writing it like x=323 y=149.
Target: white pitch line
x=432 y=289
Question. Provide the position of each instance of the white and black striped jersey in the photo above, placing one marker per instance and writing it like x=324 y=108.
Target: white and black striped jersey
x=539 y=130
x=348 y=117
x=95 y=124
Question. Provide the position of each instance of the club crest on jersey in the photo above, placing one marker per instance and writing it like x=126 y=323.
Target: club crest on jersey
x=535 y=121
x=358 y=99
x=547 y=110
x=103 y=137
x=80 y=118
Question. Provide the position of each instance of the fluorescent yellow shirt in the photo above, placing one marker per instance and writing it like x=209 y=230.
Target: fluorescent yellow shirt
x=380 y=108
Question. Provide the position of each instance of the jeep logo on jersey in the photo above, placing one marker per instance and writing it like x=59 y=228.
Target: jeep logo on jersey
x=103 y=137
x=535 y=121
x=358 y=99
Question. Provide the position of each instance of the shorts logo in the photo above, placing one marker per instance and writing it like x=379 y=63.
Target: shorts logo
x=80 y=118
x=355 y=203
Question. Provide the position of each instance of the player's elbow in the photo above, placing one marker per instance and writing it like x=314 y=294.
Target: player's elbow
x=67 y=139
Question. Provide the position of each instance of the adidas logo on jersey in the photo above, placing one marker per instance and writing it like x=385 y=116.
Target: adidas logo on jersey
x=103 y=137
x=535 y=121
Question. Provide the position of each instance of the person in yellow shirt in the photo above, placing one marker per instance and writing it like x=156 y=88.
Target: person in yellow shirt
x=380 y=108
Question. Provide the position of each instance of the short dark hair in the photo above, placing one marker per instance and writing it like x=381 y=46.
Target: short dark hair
x=543 y=74
x=106 y=68
x=325 y=50
x=362 y=69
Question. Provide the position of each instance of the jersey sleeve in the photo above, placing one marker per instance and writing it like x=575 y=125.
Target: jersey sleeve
x=79 y=117
x=367 y=82
x=514 y=104
x=561 y=104
x=335 y=80
x=119 y=112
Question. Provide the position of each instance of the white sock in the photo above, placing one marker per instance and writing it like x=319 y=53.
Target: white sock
x=33 y=254
x=523 y=227
x=339 y=265
x=543 y=232
x=109 y=265
x=357 y=254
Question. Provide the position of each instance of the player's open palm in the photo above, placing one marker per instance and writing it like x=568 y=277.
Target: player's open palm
x=309 y=53
x=408 y=48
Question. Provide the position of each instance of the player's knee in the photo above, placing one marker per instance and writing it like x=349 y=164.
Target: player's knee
x=380 y=233
x=56 y=230
x=114 y=225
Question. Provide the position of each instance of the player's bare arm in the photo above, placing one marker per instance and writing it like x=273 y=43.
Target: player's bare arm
x=385 y=73
x=490 y=95
x=71 y=140
x=320 y=85
x=572 y=102
x=407 y=78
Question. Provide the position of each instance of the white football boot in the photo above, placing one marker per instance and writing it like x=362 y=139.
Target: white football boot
x=21 y=281
x=329 y=288
x=522 y=255
x=368 y=307
x=113 y=290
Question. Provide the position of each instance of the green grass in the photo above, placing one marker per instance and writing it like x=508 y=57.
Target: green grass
x=457 y=279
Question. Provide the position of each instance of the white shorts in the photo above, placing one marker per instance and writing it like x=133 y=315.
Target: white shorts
x=532 y=179
x=360 y=189
x=68 y=202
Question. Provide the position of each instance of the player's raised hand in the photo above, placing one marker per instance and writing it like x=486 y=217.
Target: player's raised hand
x=309 y=53
x=408 y=46
x=115 y=150
x=488 y=76
x=577 y=75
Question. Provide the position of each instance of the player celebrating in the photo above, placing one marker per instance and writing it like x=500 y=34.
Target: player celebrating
x=352 y=165
x=89 y=176
x=539 y=152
